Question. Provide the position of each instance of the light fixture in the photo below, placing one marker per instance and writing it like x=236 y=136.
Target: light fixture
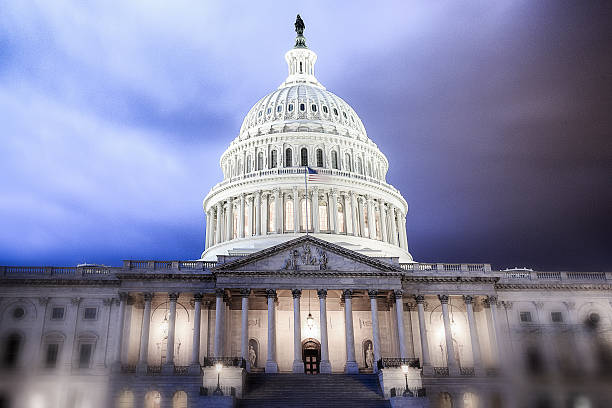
x=164 y=324
x=309 y=319
x=218 y=391
x=407 y=392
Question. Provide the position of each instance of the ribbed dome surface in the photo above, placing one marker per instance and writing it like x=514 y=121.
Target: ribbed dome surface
x=304 y=103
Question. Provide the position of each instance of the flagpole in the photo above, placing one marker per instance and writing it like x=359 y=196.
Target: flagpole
x=306 y=202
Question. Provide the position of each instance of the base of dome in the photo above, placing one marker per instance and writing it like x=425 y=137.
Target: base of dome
x=364 y=246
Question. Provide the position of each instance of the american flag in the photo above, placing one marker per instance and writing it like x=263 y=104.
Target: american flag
x=314 y=176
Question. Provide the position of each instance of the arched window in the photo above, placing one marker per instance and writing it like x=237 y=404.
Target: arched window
x=125 y=399
x=369 y=168
x=377 y=223
x=334 y=160
x=319 y=158
x=289 y=215
x=247 y=217
x=288 y=158
x=306 y=215
x=348 y=220
x=12 y=347
x=302 y=107
x=273 y=159
x=323 y=224
x=248 y=167
x=271 y=216
x=304 y=157
x=359 y=166
x=300 y=67
x=235 y=223
x=179 y=400
x=347 y=162
x=260 y=161
x=152 y=399
x=340 y=210
x=366 y=223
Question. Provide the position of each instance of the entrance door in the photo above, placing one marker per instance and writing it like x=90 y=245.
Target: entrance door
x=311 y=354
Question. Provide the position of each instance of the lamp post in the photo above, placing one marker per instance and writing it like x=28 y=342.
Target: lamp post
x=218 y=391
x=407 y=393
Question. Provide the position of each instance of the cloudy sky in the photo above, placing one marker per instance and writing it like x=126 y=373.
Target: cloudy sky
x=496 y=117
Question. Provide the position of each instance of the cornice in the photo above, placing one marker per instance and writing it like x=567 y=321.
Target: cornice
x=59 y=282
x=554 y=286
x=169 y=276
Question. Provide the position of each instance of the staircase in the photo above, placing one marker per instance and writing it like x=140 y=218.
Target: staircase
x=300 y=390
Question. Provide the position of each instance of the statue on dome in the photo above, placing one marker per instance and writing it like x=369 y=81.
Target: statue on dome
x=299 y=25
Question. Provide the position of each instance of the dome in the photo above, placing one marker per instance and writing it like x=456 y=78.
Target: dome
x=301 y=103
x=303 y=164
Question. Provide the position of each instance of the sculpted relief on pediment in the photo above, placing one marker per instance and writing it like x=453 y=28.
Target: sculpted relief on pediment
x=305 y=258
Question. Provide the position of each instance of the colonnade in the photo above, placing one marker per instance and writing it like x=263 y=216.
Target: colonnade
x=351 y=366
x=277 y=211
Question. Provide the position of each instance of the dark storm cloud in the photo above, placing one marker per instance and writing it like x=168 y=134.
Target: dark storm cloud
x=495 y=117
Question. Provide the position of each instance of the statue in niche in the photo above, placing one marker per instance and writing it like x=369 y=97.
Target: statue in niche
x=369 y=354
x=253 y=349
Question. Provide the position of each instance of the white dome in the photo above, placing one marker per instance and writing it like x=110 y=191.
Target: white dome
x=296 y=104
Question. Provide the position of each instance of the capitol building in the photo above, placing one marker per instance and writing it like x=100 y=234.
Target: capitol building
x=306 y=294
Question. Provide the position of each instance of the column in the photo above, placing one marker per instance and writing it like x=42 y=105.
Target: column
x=244 y=333
x=143 y=356
x=361 y=217
x=351 y=365
x=271 y=365
x=218 y=231
x=168 y=368
x=298 y=364
x=250 y=201
x=229 y=235
x=278 y=227
x=258 y=213
x=453 y=367
x=399 y=309
x=296 y=210
x=469 y=301
x=404 y=238
x=220 y=308
x=371 y=218
x=241 y=217
x=425 y=360
x=383 y=220
x=375 y=333
x=194 y=367
x=347 y=221
x=354 y=215
x=325 y=366
x=491 y=303
x=392 y=213
x=315 y=209
x=334 y=209
x=207 y=232
x=123 y=297
x=266 y=213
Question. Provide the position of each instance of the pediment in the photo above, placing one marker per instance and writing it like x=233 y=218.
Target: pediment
x=305 y=255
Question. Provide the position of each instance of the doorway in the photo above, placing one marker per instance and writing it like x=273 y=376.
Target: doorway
x=311 y=355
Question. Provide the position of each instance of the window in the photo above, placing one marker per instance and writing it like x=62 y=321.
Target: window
x=323 y=216
x=260 y=161
x=313 y=107
x=325 y=109
x=271 y=216
x=18 y=312
x=12 y=346
x=90 y=313
x=290 y=108
x=366 y=223
x=248 y=167
x=306 y=214
x=319 y=158
x=85 y=355
x=556 y=317
x=352 y=119
x=348 y=219
x=377 y=225
x=341 y=219
x=304 y=156
x=334 y=160
x=288 y=158
x=57 y=313
x=335 y=111
x=273 y=159
x=525 y=317
x=279 y=108
x=259 y=114
x=302 y=107
x=344 y=114
x=269 y=111
x=347 y=162
x=359 y=166
x=289 y=215
x=51 y=356
x=300 y=67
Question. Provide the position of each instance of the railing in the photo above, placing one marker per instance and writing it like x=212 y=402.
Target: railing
x=557 y=276
x=597 y=276
x=181 y=370
x=226 y=389
x=412 y=392
x=441 y=371
x=154 y=369
x=226 y=361
x=549 y=275
x=397 y=362
x=445 y=267
x=467 y=371
x=162 y=265
x=128 y=368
